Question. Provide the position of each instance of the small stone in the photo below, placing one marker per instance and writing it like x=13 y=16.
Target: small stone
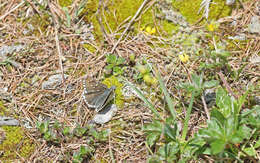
x=105 y=115
x=254 y=26
x=53 y=82
x=230 y=2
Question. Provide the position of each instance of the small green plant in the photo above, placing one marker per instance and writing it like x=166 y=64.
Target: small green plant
x=196 y=88
x=47 y=133
x=228 y=132
x=82 y=154
x=145 y=74
x=163 y=132
x=114 y=64
x=58 y=133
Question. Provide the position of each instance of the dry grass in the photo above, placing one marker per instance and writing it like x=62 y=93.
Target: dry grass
x=53 y=48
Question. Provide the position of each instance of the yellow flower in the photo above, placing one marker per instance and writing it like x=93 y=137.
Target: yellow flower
x=212 y=26
x=150 y=30
x=184 y=58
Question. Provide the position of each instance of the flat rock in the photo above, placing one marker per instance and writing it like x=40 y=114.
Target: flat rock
x=105 y=115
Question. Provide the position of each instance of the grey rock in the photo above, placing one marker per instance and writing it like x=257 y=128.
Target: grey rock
x=105 y=115
x=230 y=2
x=8 y=121
x=53 y=82
x=241 y=37
x=254 y=26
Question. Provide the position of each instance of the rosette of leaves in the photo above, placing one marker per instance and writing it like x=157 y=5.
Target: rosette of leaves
x=114 y=64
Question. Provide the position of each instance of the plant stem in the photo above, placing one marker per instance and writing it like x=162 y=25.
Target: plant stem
x=185 y=128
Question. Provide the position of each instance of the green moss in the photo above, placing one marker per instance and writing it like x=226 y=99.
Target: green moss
x=90 y=48
x=65 y=3
x=15 y=144
x=189 y=9
x=3 y=110
x=113 y=81
x=38 y=23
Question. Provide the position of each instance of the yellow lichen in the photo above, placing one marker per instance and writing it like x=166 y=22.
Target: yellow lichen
x=113 y=81
x=189 y=9
x=15 y=144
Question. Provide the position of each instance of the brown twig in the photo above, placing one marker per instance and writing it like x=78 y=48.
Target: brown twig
x=205 y=107
x=10 y=11
x=227 y=85
x=56 y=26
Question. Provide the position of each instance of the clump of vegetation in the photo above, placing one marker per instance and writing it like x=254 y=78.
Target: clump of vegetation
x=226 y=127
x=58 y=133
x=113 y=81
x=114 y=64
x=145 y=74
x=15 y=144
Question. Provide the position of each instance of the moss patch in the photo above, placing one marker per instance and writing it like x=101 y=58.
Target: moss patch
x=113 y=81
x=15 y=144
x=189 y=9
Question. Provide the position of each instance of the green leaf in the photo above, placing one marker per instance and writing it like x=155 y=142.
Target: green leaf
x=224 y=102
x=66 y=131
x=117 y=70
x=242 y=133
x=143 y=98
x=155 y=126
x=210 y=84
x=166 y=94
x=187 y=86
x=80 y=131
x=152 y=138
x=43 y=126
x=111 y=59
x=197 y=81
x=168 y=151
x=120 y=61
x=218 y=115
x=109 y=66
x=217 y=146
x=250 y=151
x=66 y=10
x=257 y=144
x=170 y=132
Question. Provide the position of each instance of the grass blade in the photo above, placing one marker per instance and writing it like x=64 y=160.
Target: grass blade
x=166 y=94
x=145 y=100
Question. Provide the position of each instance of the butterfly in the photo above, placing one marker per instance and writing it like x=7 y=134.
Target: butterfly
x=96 y=95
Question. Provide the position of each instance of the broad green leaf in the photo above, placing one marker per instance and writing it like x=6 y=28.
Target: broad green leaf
x=210 y=84
x=197 y=81
x=155 y=126
x=187 y=86
x=109 y=66
x=152 y=138
x=242 y=133
x=257 y=144
x=169 y=151
x=217 y=146
x=120 y=61
x=111 y=59
x=224 y=102
x=250 y=151
x=118 y=70
x=170 y=132
x=218 y=115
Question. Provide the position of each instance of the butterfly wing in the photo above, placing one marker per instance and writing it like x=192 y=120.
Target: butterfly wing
x=96 y=95
x=104 y=98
